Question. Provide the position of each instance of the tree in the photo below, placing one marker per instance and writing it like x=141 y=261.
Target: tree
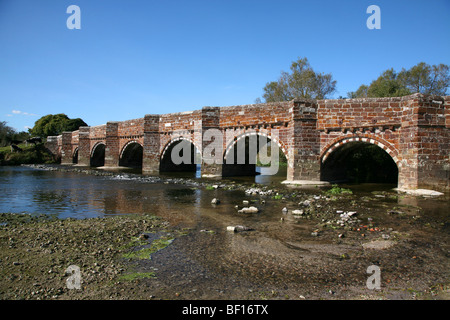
x=360 y=93
x=8 y=135
x=426 y=79
x=421 y=78
x=388 y=84
x=53 y=125
x=302 y=82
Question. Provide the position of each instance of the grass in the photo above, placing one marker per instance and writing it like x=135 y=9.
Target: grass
x=337 y=190
x=146 y=252
x=137 y=275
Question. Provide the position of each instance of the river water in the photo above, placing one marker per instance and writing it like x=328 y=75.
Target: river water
x=277 y=243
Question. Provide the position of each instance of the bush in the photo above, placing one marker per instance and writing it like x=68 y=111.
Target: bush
x=30 y=155
x=337 y=190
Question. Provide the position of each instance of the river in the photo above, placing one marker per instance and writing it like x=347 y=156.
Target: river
x=212 y=263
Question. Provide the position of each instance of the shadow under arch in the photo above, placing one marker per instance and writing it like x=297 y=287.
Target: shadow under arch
x=359 y=162
x=250 y=151
x=98 y=155
x=180 y=155
x=75 y=156
x=131 y=155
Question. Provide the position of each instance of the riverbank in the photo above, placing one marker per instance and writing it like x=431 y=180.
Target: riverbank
x=36 y=251
x=301 y=244
x=32 y=154
x=114 y=257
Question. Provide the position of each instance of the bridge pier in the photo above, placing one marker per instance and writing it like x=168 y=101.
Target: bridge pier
x=151 y=160
x=211 y=165
x=66 y=149
x=84 y=146
x=304 y=150
x=425 y=143
x=112 y=144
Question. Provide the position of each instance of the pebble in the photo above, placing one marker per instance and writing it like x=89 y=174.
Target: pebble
x=249 y=210
x=215 y=201
x=238 y=228
x=305 y=203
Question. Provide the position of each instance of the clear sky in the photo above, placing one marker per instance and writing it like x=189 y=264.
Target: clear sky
x=137 y=57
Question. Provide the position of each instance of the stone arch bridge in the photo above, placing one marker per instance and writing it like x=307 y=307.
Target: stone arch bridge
x=314 y=135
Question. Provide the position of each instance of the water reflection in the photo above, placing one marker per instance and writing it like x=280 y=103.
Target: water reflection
x=68 y=194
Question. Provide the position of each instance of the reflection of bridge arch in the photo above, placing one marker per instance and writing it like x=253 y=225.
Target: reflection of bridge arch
x=131 y=154
x=98 y=155
x=166 y=163
x=360 y=159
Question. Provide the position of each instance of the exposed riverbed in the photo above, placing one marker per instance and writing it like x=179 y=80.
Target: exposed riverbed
x=142 y=237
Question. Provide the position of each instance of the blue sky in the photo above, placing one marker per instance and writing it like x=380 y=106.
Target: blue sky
x=132 y=58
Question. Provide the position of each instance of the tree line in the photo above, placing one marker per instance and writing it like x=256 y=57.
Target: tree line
x=303 y=82
x=49 y=125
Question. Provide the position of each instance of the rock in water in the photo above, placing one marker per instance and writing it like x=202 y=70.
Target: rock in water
x=249 y=210
x=238 y=228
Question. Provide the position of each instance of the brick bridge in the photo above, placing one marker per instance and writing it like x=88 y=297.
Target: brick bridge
x=316 y=136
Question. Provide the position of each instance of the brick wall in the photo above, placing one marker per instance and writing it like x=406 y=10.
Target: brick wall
x=414 y=130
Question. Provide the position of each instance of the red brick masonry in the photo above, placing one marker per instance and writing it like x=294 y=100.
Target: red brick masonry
x=414 y=130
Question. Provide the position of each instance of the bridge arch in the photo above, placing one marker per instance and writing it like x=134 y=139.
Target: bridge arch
x=131 y=154
x=75 y=156
x=232 y=142
x=98 y=155
x=249 y=168
x=360 y=159
x=193 y=158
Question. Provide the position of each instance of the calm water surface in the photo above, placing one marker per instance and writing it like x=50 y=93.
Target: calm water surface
x=77 y=195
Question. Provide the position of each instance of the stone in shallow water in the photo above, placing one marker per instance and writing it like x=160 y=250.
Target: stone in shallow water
x=378 y=244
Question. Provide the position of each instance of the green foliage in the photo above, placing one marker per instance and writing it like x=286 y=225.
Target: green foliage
x=337 y=190
x=388 y=84
x=421 y=78
x=302 y=82
x=30 y=155
x=266 y=156
x=8 y=135
x=145 y=252
x=53 y=125
x=137 y=276
x=426 y=79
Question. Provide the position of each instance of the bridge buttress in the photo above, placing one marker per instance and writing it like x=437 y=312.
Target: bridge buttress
x=112 y=144
x=304 y=145
x=84 y=146
x=150 y=161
